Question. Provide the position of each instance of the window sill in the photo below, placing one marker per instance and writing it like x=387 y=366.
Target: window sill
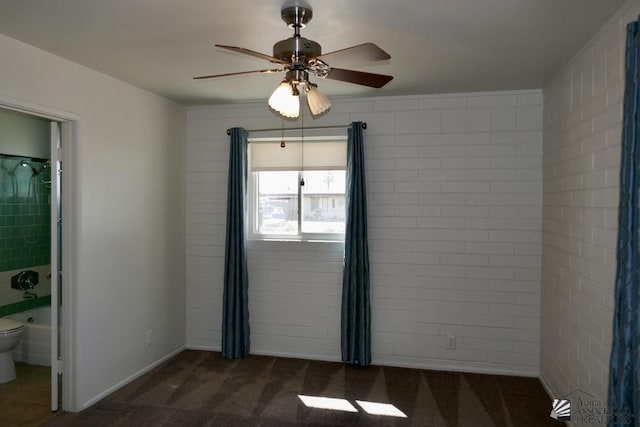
x=308 y=237
x=286 y=241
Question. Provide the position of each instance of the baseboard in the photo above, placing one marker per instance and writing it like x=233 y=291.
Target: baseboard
x=459 y=366
x=436 y=366
x=443 y=366
x=204 y=347
x=554 y=395
x=296 y=356
x=32 y=359
x=131 y=378
x=268 y=353
x=547 y=387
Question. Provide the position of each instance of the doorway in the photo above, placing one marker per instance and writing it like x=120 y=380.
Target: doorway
x=48 y=173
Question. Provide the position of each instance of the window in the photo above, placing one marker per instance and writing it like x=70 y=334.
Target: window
x=297 y=192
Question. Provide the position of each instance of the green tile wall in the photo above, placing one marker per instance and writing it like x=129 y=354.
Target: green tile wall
x=25 y=227
x=18 y=307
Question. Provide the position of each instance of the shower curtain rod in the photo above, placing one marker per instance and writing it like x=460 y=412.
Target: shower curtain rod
x=364 y=126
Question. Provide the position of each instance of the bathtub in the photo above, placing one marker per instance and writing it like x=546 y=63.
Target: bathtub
x=35 y=346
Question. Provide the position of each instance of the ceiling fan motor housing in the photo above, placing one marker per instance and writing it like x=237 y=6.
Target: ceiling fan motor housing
x=296 y=46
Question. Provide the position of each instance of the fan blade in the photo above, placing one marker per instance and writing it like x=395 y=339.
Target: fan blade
x=359 y=77
x=252 y=53
x=355 y=55
x=272 y=70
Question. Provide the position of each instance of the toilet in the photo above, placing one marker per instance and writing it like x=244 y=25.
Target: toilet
x=10 y=335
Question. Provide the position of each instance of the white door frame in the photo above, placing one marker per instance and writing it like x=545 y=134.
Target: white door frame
x=54 y=259
x=69 y=139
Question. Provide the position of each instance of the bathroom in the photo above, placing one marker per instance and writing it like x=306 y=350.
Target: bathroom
x=25 y=232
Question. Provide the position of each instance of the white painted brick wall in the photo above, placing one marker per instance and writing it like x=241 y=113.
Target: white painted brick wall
x=454 y=194
x=582 y=133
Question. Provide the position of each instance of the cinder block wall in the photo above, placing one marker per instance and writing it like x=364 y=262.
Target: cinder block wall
x=582 y=135
x=454 y=192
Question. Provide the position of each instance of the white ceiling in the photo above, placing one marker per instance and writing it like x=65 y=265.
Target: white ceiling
x=436 y=46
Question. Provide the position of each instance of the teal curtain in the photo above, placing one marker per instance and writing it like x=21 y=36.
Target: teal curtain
x=624 y=373
x=356 y=308
x=235 y=304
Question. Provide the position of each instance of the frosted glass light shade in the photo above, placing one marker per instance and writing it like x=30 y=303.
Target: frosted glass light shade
x=284 y=101
x=318 y=103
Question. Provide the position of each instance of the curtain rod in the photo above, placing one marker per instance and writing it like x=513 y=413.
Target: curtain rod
x=364 y=126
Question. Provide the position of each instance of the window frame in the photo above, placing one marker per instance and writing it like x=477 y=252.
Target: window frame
x=253 y=203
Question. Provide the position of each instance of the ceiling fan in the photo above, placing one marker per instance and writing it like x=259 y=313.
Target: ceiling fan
x=299 y=57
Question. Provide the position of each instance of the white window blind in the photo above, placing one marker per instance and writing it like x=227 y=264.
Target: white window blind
x=268 y=155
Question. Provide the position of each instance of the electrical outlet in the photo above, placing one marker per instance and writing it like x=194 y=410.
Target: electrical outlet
x=451 y=342
x=149 y=338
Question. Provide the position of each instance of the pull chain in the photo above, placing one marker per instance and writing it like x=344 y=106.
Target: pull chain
x=282 y=143
x=302 y=148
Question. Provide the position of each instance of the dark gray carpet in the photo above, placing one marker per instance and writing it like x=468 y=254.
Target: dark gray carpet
x=199 y=388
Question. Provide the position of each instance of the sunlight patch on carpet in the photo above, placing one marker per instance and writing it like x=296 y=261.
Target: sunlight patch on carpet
x=321 y=402
x=376 y=408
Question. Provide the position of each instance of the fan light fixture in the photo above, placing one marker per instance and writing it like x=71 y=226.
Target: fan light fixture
x=318 y=103
x=285 y=100
x=299 y=57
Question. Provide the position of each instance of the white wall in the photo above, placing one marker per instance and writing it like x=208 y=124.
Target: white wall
x=582 y=134
x=128 y=164
x=24 y=135
x=454 y=194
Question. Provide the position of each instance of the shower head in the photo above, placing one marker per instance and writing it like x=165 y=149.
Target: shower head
x=21 y=163
x=25 y=164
